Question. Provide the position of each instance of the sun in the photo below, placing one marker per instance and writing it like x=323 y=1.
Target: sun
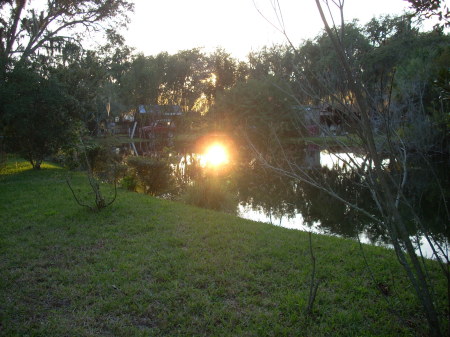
x=216 y=155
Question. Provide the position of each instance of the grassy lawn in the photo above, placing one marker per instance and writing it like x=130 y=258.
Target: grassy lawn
x=150 y=267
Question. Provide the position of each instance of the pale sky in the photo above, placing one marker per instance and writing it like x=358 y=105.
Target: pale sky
x=235 y=25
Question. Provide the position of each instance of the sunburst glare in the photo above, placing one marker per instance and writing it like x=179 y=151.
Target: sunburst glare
x=216 y=155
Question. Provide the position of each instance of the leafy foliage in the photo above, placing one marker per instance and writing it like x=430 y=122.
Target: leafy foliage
x=257 y=106
x=27 y=30
x=153 y=175
x=210 y=193
x=432 y=8
x=37 y=115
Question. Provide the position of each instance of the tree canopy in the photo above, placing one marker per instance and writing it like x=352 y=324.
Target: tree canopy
x=27 y=28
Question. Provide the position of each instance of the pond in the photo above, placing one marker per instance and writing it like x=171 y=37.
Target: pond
x=261 y=195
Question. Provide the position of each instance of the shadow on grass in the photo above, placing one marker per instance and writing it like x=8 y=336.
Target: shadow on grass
x=17 y=166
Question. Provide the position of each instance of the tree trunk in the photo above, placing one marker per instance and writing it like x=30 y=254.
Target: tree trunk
x=397 y=226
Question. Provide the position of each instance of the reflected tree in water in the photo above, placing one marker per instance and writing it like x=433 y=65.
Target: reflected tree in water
x=397 y=127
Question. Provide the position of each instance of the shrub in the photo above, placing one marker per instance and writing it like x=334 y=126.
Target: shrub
x=129 y=182
x=98 y=169
x=211 y=194
x=37 y=118
x=152 y=175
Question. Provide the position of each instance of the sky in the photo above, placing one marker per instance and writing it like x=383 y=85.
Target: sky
x=234 y=25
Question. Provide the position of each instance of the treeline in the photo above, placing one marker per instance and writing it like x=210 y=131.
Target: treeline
x=48 y=98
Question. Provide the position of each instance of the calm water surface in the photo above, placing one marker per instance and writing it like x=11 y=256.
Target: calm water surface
x=266 y=197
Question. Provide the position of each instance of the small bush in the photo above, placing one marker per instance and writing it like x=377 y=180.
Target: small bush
x=101 y=160
x=129 y=182
x=211 y=194
x=152 y=175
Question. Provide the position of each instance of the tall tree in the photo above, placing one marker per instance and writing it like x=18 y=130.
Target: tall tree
x=432 y=8
x=388 y=187
x=26 y=28
x=224 y=68
x=184 y=76
x=338 y=77
x=141 y=83
x=85 y=78
x=277 y=60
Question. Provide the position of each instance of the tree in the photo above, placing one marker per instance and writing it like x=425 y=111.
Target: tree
x=317 y=72
x=277 y=60
x=37 y=120
x=26 y=29
x=85 y=78
x=257 y=106
x=432 y=8
x=184 y=76
x=141 y=83
x=47 y=36
x=388 y=184
x=116 y=58
x=93 y=78
x=223 y=70
x=397 y=44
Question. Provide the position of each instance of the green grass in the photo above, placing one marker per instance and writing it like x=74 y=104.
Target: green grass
x=150 y=267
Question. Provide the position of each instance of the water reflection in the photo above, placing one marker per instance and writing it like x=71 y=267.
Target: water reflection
x=296 y=221
x=300 y=206
x=341 y=160
x=216 y=155
x=261 y=195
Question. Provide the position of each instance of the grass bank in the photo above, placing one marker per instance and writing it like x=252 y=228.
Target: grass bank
x=150 y=267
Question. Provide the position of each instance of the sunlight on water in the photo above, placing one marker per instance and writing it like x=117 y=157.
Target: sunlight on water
x=344 y=159
x=332 y=160
x=215 y=155
x=296 y=222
